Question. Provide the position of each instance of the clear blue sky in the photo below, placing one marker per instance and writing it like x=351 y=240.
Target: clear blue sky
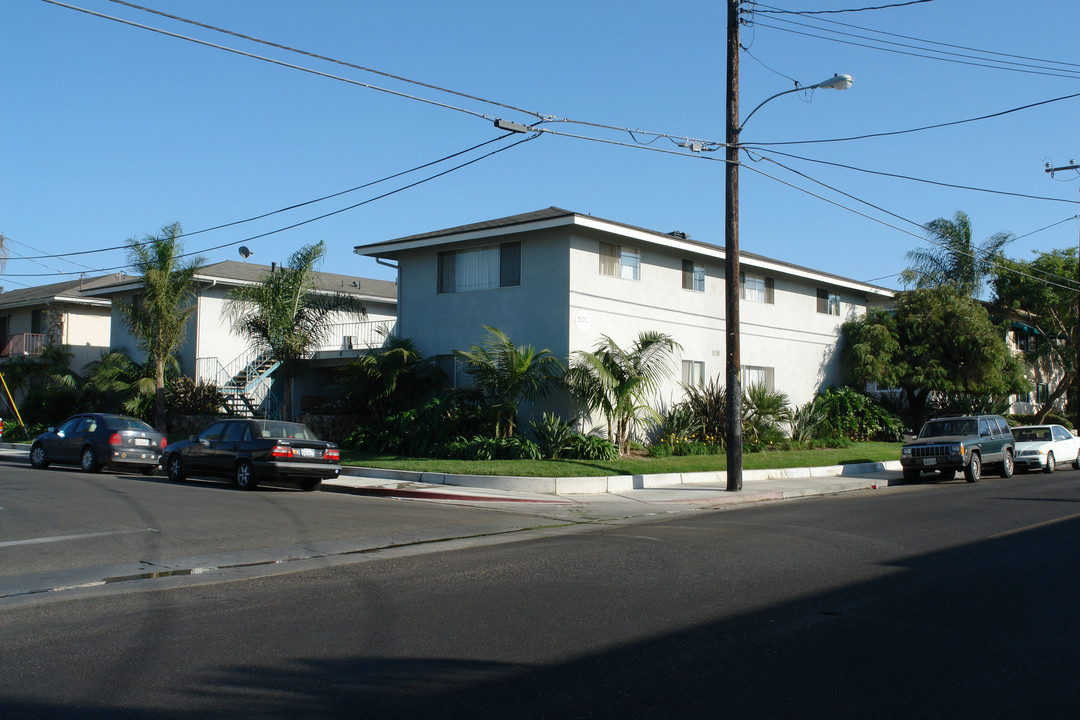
x=110 y=131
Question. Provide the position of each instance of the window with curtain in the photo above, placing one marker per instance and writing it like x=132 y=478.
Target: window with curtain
x=483 y=268
x=756 y=288
x=693 y=373
x=620 y=261
x=753 y=375
x=828 y=303
x=693 y=276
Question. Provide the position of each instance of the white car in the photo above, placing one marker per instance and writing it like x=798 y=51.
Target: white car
x=1042 y=447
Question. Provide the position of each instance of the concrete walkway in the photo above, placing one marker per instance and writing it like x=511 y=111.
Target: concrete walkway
x=614 y=496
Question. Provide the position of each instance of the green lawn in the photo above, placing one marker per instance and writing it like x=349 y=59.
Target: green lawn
x=858 y=453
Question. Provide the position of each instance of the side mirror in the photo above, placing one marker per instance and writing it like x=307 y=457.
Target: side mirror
x=193 y=438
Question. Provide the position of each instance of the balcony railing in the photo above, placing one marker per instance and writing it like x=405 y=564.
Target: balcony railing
x=22 y=344
x=357 y=335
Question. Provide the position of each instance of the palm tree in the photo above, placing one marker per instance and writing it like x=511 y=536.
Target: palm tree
x=159 y=313
x=617 y=382
x=284 y=313
x=956 y=261
x=390 y=379
x=505 y=374
x=116 y=382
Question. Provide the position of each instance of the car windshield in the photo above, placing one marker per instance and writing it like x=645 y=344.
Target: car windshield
x=127 y=423
x=1032 y=434
x=282 y=430
x=946 y=428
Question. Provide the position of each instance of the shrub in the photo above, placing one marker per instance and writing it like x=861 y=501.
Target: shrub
x=183 y=396
x=591 y=447
x=1029 y=419
x=553 y=435
x=848 y=413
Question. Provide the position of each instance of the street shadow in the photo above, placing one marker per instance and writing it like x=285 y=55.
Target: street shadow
x=985 y=630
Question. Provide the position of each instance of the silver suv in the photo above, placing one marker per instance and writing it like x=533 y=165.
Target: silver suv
x=960 y=443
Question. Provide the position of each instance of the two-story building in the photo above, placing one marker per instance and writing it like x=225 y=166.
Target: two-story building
x=560 y=280
x=56 y=314
x=213 y=352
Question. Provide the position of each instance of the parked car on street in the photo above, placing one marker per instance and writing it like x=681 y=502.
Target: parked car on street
x=966 y=443
x=251 y=451
x=97 y=440
x=1042 y=447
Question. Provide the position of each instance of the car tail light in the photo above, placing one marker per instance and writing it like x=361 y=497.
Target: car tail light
x=332 y=454
x=164 y=442
x=281 y=451
x=116 y=439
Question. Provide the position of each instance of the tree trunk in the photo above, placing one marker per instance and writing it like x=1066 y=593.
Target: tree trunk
x=1062 y=387
x=159 y=395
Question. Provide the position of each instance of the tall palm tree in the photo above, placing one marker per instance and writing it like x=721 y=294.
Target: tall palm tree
x=505 y=374
x=955 y=261
x=159 y=313
x=617 y=382
x=285 y=313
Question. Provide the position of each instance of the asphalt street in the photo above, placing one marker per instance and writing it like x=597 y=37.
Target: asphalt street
x=942 y=599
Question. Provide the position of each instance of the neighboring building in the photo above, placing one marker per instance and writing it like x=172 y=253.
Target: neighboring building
x=560 y=280
x=55 y=314
x=213 y=352
x=1043 y=376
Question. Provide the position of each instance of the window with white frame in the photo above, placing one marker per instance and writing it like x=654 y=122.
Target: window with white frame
x=756 y=288
x=620 y=261
x=828 y=303
x=693 y=373
x=752 y=375
x=693 y=276
x=482 y=268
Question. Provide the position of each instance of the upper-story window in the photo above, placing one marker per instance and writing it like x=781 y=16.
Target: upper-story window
x=756 y=288
x=620 y=261
x=481 y=268
x=828 y=302
x=693 y=276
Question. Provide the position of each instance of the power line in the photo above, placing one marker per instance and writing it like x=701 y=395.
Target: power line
x=915 y=179
x=310 y=220
x=931 y=42
x=290 y=207
x=925 y=127
x=849 y=10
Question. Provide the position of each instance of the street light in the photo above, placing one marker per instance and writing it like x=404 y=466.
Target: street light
x=731 y=240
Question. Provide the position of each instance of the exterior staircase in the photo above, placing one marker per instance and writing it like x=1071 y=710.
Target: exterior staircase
x=245 y=382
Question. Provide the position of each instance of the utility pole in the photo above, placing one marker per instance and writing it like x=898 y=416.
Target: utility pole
x=731 y=257
x=1076 y=380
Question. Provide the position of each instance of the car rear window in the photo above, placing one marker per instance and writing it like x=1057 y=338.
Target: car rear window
x=126 y=423
x=285 y=430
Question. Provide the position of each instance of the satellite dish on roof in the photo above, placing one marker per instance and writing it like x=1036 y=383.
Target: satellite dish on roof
x=244 y=252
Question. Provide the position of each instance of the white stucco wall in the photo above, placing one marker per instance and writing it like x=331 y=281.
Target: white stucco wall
x=86 y=329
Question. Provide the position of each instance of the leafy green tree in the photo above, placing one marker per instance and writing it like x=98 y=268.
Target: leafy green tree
x=285 y=313
x=955 y=261
x=116 y=382
x=159 y=313
x=505 y=374
x=1043 y=290
x=935 y=340
x=617 y=382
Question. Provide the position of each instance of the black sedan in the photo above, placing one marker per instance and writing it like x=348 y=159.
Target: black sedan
x=96 y=440
x=252 y=451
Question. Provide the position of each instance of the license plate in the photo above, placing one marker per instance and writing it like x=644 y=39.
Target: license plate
x=309 y=452
x=929 y=461
x=142 y=441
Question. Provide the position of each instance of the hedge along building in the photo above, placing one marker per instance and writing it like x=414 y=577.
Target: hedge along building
x=561 y=280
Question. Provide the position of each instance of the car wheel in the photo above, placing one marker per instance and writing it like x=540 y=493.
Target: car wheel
x=1006 y=469
x=175 y=468
x=245 y=476
x=973 y=471
x=911 y=476
x=38 y=457
x=311 y=484
x=89 y=460
x=1051 y=464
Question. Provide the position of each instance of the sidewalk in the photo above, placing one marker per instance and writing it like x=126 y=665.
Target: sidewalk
x=619 y=495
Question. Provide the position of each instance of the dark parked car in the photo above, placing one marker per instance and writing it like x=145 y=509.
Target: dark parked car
x=96 y=440
x=960 y=443
x=252 y=451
